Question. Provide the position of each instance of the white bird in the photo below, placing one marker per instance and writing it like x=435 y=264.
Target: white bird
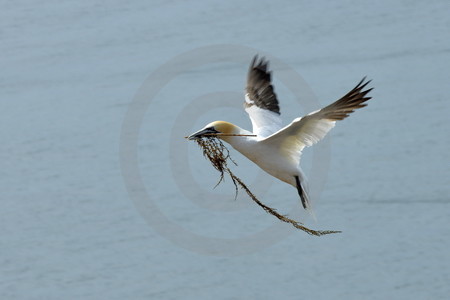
x=276 y=149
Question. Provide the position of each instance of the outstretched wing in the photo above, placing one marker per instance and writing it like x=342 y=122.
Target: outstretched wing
x=261 y=102
x=308 y=130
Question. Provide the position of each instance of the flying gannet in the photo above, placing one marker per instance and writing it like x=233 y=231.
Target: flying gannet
x=276 y=149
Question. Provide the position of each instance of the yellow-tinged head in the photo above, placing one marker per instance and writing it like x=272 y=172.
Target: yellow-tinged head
x=223 y=127
x=216 y=128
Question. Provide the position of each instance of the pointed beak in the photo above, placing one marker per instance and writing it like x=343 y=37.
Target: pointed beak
x=201 y=133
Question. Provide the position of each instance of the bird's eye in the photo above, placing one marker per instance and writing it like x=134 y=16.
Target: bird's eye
x=212 y=129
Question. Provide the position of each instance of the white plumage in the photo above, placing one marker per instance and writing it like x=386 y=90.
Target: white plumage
x=276 y=149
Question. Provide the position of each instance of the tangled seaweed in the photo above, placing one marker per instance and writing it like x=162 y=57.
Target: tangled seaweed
x=216 y=152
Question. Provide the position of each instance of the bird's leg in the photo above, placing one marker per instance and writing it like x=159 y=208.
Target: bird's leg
x=300 y=191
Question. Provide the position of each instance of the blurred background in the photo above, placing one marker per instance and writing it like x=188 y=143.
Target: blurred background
x=70 y=228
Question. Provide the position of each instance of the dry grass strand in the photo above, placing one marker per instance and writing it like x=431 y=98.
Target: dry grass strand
x=216 y=152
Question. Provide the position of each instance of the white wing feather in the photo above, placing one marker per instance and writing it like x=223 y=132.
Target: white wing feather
x=308 y=130
x=302 y=132
x=264 y=122
x=261 y=102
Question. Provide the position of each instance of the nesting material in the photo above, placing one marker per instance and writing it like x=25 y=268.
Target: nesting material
x=219 y=156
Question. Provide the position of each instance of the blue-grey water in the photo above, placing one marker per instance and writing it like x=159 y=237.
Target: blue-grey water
x=72 y=227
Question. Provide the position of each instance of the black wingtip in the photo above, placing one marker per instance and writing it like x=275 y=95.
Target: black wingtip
x=253 y=63
x=259 y=85
x=363 y=83
x=260 y=63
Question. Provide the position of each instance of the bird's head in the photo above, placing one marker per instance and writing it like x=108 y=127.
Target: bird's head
x=216 y=128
